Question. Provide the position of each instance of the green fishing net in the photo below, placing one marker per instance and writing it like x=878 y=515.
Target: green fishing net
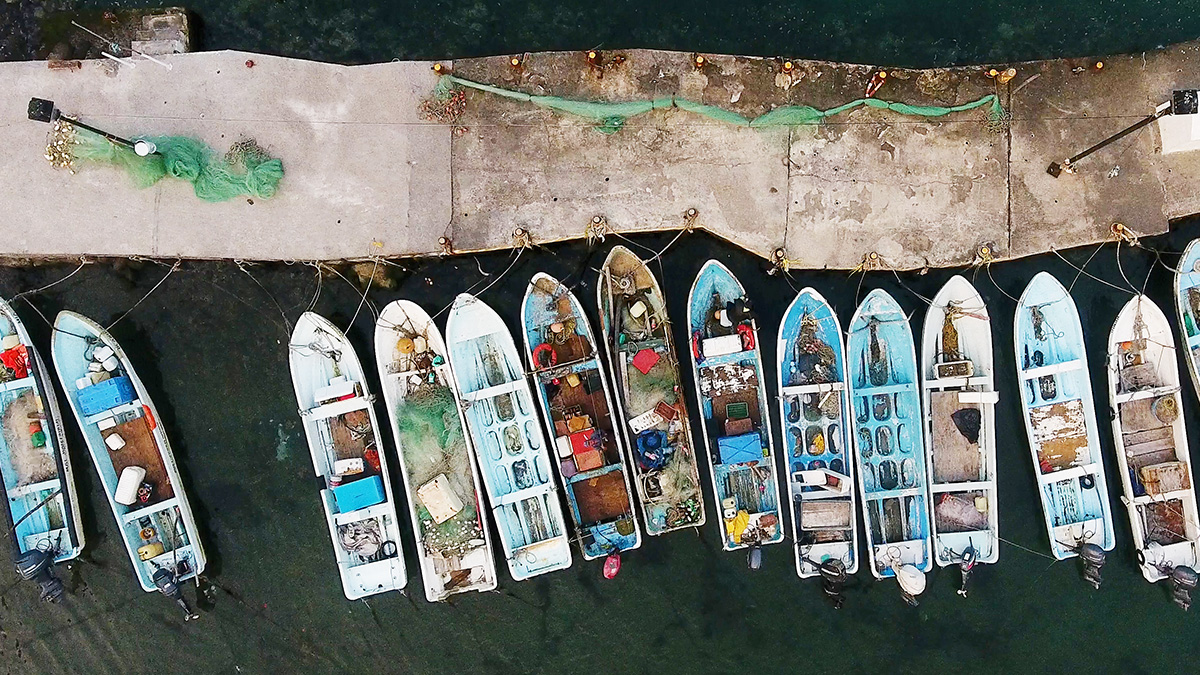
x=611 y=117
x=247 y=170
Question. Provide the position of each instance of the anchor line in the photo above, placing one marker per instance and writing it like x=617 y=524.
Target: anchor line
x=1029 y=550
x=374 y=269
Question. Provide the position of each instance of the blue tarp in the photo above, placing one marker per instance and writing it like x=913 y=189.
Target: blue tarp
x=744 y=448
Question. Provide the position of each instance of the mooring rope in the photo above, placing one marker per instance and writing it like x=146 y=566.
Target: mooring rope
x=171 y=271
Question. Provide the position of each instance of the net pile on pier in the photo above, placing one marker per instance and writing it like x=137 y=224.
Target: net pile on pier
x=610 y=117
x=246 y=170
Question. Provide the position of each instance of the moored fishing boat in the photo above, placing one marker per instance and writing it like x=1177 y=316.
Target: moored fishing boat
x=508 y=440
x=731 y=393
x=577 y=405
x=889 y=442
x=1060 y=422
x=649 y=399
x=338 y=414
x=41 y=514
x=1187 y=305
x=959 y=395
x=129 y=447
x=437 y=463
x=814 y=415
x=1152 y=447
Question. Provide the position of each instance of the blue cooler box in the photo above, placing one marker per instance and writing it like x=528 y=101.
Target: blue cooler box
x=359 y=495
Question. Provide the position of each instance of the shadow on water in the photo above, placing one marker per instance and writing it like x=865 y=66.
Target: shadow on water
x=210 y=345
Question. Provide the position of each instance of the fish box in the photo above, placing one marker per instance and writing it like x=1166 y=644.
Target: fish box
x=359 y=494
x=106 y=395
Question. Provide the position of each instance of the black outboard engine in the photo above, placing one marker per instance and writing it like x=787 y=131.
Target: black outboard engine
x=37 y=565
x=1183 y=581
x=966 y=563
x=833 y=580
x=754 y=557
x=164 y=580
x=1093 y=559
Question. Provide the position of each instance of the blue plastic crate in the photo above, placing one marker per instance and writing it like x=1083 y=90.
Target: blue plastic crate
x=106 y=395
x=359 y=494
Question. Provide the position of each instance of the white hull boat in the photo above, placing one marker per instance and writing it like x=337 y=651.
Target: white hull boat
x=513 y=453
x=131 y=452
x=1152 y=446
x=338 y=414
x=959 y=397
x=445 y=500
x=1060 y=421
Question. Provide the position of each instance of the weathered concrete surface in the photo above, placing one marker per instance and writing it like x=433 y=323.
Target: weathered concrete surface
x=364 y=174
x=916 y=191
x=1061 y=108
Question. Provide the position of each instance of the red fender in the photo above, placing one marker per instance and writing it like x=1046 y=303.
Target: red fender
x=747 y=336
x=537 y=356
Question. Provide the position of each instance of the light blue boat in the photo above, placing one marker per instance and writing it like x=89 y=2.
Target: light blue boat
x=814 y=414
x=513 y=454
x=1060 y=419
x=132 y=454
x=731 y=393
x=34 y=462
x=577 y=406
x=889 y=442
x=1187 y=304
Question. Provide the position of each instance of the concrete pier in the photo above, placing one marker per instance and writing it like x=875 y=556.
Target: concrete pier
x=367 y=175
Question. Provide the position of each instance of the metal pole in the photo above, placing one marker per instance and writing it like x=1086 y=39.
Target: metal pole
x=1055 y=168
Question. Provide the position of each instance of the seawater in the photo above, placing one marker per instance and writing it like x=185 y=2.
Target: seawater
x=211 y=344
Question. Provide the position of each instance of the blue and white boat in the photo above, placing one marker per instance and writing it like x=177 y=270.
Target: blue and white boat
x=959 y=396
x=577 y=406
x=445 y=500
x=131 y=452
x=35 y=464
x=1060 y=421
x=1152 y=447
x=649 y=398
x=338 y=414
x=814 y=414
x=1187 y=304
x=513 y=453
x=889 y=442
x=731 y=393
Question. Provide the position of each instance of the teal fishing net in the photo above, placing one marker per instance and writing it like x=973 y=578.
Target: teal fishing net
x=246 y=170
x=611 y=117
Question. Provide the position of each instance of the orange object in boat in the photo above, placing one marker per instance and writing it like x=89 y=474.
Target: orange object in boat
x=876 y=82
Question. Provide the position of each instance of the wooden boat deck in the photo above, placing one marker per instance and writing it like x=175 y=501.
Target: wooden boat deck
x=142 y=450
x=602 y=498
x=349 y=439
x=955 y=458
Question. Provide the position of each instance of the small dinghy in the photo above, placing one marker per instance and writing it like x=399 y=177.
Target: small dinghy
x=1060 y=421
x=41 y=513
x=889 y=442
x=508 y=439
x=454 y=544
x=645 y=370
x=728 y=371
x=338 y=414
x=814 y=413
x=1152 y=446
x=577 y=406
x=132 y=455
x=959 y=395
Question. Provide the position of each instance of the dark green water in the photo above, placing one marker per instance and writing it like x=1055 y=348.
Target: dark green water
x=211 y=346
x=893 y=32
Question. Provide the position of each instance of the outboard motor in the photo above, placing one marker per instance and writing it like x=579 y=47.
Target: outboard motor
x=38 y=566
x=1183 y=581
x=1093 y=559
x=965 y=564
x=165 y=581
x=833 y=580
x=754 y=557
